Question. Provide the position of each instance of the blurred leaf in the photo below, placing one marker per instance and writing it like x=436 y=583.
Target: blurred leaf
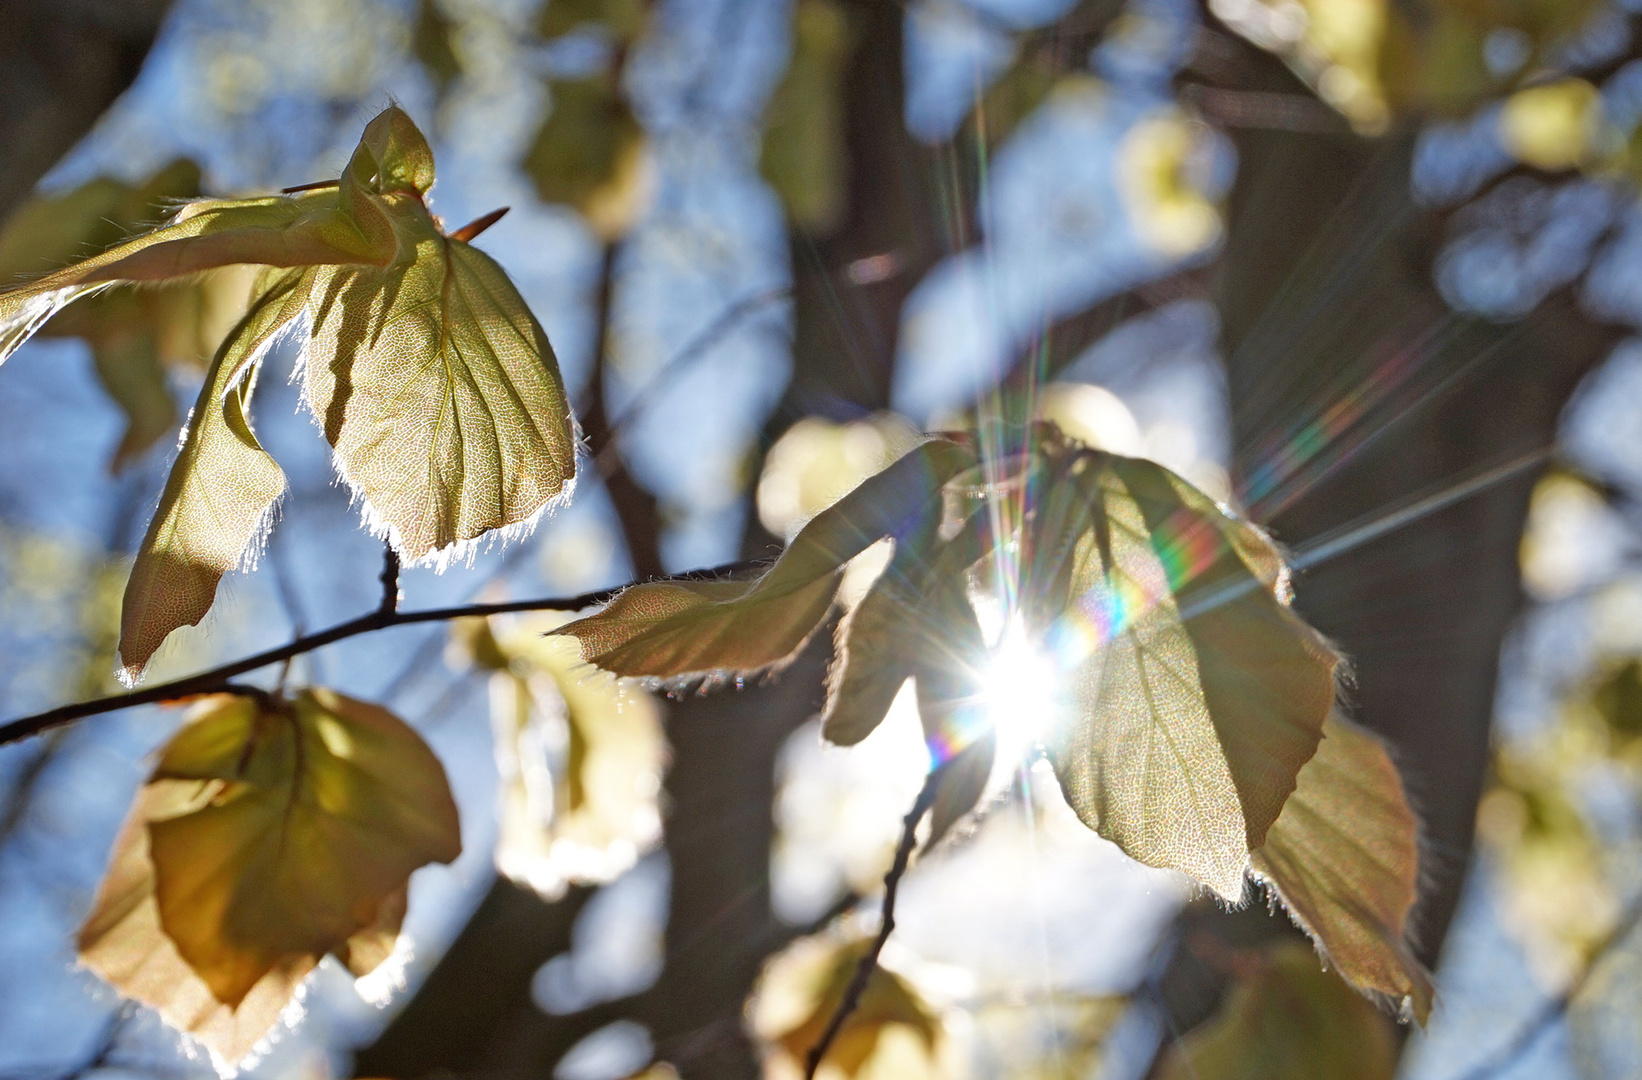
x=1161 y=186
x=589 y=154
x=666 y=629
x=1057 y=1039
x=433 y=44
x=1344 y=858
x=439 y=453
x=580 y=756
x=1287 y=1020
x=800 y=990
x=1553 y=126
x=816 y=462
x=803 y=156
x=270 y=833
x=1618 y=700
x=623 y=20
x=1015 y=95
x=1200 y=694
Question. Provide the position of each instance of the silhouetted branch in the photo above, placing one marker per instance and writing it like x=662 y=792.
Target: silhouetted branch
x=216 y=679
x=869 y=962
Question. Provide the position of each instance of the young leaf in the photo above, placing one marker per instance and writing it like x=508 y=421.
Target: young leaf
x=1200 y=694
x=122 y=942
x=436 y=386
x=220 y=494
x=580 y=756
x=282 y=830
x=666 y=629
x=1343 y=858
x=1287 y=1020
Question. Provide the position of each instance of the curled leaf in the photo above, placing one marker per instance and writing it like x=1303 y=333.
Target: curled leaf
x=667 y=629
x=1343 y=858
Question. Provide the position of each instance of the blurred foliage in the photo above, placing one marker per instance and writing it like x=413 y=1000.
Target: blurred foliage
x=67 y=595
x=803 y=156
x=433 y=43
x=800 y=990
x=621 y=20
x=1059 y=1039
x=816 y=462
x=1016 y=94
x=579 y=754
x=1161 y=173
x=590 y=154
x=1374 y=59
x=1287 y=1019
x=135 y=337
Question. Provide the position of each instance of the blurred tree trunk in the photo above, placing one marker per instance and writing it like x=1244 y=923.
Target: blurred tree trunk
x=62 y=64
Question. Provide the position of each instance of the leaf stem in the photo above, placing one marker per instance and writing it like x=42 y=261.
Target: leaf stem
x=869 y=962
x=216 y=680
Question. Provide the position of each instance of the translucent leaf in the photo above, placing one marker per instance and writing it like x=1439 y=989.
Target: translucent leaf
x=1287 y=1020
x=800 y=989
x=580 y=756
x=803 y=156
x=439 y=391
x=122 y=942
x=666 y=629
x=1344 y=859
x=271 y=833
x=1199 y=694
x=220 y=494
x=589 y=154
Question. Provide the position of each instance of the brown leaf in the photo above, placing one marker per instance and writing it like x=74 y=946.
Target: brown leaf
x=1344 y=859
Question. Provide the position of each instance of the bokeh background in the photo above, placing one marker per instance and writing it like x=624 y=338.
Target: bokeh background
x=1368 y=270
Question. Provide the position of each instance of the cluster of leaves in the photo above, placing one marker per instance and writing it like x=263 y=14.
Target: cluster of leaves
x=428 y=374
x=1201 y=734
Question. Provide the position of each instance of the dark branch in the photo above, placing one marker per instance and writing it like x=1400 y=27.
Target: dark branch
x=869 y=962
x=390 y=581
x=217 y=679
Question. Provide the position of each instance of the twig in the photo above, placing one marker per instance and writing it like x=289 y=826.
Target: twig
x=216 y=679
x=390 y=581
x=869 y=962
x=1555 y=1008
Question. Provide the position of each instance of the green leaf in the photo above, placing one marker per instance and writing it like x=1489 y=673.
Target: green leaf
x=432 y=43
x=219 y=497
x=439 y=391
x=270 y=833
x=589 y=154
x=1287 y=1020
x=1199 y=694
x=305 y=817
x=1344 y=859
x=803 y=155
x=667 y=629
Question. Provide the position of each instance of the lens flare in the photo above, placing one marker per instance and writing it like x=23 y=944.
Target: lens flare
x=1021 y=690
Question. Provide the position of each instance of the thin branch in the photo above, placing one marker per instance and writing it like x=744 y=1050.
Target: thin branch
x=1557 y=1007
x=390 y=581
x=869 y=962
x=216 y=680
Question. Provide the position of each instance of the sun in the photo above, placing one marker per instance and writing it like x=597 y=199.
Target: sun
x=1022 y=691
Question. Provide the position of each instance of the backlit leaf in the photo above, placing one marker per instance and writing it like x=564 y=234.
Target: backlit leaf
x=1199 y=694
x=1288 y=1020
x=579 y=754
x=1344 y=859
x=589 y=154
x=270 y=833
x=667 y=629
x=219 y=498
x=801 y=988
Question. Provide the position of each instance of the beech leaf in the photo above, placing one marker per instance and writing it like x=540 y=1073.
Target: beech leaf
x=219 y=497
x=668 y=629
x=1199 y=694
x=279 y=830
x=1343 y=857
x=1287 y=1020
